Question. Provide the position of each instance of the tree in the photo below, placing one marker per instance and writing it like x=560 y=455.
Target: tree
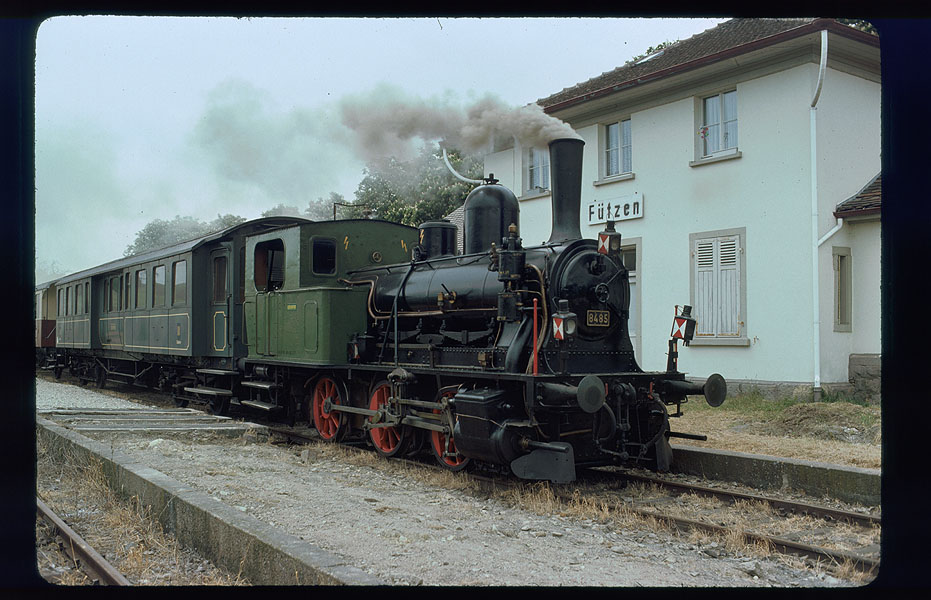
x=321 y=209
x=651 y=50
x=416 y=191
x=225 y=222
x=47 y=271
x=860 y=25
x=160 y=233
x=282 y=211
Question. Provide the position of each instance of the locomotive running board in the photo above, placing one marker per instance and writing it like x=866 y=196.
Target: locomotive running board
x=556 y=465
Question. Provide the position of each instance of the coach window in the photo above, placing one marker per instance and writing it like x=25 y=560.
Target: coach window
x=87 y=297
x=324 y=257
x=178 y=282
x=219 y=279
x=158 y=280
x=114 y=294
x=126 y=294
x=67 y=301
x=78 y=299
x=268 y=270
x=140 y=288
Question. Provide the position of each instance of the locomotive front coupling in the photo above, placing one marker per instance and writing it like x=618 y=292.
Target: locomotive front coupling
x=714 y=389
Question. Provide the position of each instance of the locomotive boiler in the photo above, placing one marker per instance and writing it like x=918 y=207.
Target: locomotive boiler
x=525 y=351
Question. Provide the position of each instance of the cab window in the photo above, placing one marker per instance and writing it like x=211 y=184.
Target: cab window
x=324 y=252
x=268 y=266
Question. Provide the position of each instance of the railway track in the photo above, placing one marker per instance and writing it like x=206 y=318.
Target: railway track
x=84 y=556
x=605 y=486
x=864 y=560
x=779 y=504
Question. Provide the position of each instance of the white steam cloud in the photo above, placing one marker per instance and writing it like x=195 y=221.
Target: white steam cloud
x=387 y=123
x=259 y=153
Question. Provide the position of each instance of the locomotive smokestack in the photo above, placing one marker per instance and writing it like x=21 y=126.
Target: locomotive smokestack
x=566 y=188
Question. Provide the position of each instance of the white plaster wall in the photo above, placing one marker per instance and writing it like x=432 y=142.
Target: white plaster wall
x=506 y=169
x=863 y=239
x=866 y=324
x=849 y=137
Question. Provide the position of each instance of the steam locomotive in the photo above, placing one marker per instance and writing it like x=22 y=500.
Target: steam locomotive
x=510 y=357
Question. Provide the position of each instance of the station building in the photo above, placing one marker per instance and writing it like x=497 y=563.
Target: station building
x=742 y=167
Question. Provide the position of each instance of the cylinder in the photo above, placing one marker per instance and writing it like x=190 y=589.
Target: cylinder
x=566 y=188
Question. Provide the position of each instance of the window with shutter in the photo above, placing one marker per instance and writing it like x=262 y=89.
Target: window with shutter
x=717 y=293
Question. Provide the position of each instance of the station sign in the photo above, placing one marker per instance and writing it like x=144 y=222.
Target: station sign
x=620 y=208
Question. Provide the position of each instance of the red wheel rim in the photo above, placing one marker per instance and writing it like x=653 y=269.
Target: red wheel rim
x=327 y=423
x=439 y=446
x=439 y=441
x=385 y=438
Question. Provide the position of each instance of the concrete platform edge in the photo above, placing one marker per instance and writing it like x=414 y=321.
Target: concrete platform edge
x=230 y=538
x=848 y=484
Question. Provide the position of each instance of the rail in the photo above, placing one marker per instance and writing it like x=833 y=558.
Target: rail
x=75 y=547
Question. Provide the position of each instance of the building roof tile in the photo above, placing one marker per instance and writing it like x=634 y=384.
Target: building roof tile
x=733 y=36
x=867 y=201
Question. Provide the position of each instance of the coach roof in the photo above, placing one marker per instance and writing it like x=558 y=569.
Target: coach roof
x=181 y=247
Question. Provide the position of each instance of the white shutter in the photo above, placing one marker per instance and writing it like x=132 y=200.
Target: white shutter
x=717 y=286
x=704 y=287
x=728 y=286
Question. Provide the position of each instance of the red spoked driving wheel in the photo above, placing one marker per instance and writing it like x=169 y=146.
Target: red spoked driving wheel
x=330 y=425
x=444 y=447
x=388 y=441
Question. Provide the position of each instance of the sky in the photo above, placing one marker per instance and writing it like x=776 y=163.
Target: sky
x=139 y=118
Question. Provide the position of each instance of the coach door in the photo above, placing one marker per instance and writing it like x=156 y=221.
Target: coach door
x=220 y=302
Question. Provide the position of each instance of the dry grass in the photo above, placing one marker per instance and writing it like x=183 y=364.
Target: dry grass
x=836 y=432
x=123 y=530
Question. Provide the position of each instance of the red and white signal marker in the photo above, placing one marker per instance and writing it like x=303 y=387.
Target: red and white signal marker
x=678 y=328
x=603 y=243
x=557 y=328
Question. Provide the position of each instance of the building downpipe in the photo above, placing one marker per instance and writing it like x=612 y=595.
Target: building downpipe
x=815 y=271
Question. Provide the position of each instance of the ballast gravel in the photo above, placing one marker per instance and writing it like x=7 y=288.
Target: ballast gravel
x=408 y=532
